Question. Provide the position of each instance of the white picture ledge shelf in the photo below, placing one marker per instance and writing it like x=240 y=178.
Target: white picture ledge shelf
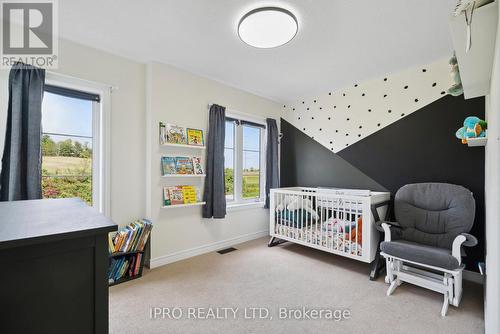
x=184 y=146
x=182 y=205
x=183 y=175
x=473 y=142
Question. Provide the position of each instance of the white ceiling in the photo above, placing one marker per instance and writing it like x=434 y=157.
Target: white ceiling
x=339 y=41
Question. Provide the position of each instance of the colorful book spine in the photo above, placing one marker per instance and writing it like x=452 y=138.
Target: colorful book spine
x=166 y=197
x=189 y=194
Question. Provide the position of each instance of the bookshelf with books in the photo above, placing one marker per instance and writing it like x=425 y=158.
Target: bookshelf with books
x=174 y=166
x=181 y=196
x=126 y=251
x=174 y=135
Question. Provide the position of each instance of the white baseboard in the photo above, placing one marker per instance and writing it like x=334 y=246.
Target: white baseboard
x=185 y=254
x=473 y=276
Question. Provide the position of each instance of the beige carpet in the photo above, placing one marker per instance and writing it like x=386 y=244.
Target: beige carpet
x=286 y=276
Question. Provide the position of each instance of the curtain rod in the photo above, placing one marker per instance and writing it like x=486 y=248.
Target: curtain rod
x=262 y=118
x=112 y=87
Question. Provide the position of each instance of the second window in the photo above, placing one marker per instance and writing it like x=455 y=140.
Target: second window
x=243 y=153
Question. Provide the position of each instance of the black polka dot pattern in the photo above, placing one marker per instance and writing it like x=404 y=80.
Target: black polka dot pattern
x=367 y=109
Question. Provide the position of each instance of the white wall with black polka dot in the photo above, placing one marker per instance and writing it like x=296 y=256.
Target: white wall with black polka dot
x=340 y=118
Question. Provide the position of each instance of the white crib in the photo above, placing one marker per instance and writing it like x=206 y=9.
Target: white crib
x=339 y=221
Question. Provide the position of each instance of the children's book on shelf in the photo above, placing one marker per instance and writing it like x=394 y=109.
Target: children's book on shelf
x=166 y=196
x=189 y=194
x=127 y=266
x=198 y=168
x=163 y=134
x=195 y=137
x=182 y=194
x=176 y=134
x=184 y=165
x=168 y=165
x=130 y=238
x=176 y=195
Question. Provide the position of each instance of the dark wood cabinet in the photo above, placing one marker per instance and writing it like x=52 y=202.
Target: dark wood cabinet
x=53 y=267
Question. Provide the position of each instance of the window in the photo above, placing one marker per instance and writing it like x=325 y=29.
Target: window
x=244 y=168
x=71 y=143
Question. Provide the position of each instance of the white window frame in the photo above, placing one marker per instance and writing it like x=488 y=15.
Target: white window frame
x=238 y=200
x=101 y=134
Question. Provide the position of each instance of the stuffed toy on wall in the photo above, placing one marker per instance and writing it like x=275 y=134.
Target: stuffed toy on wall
x=474 y=127
x=457 y=88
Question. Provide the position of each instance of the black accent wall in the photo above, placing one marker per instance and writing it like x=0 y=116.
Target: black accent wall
x=304 y=162
x=420 y=147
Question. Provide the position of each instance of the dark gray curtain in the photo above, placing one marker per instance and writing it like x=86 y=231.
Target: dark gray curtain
x=214 y=193
x=272 y=174
x=22 y=159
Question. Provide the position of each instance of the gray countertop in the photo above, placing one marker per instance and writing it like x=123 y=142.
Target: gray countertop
x=46 y=220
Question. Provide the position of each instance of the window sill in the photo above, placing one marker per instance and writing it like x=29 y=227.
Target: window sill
x=243 y=206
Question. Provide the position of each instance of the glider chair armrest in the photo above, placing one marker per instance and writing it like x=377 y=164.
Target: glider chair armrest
x=470 y=240
x=385 y=226
x=463 y=239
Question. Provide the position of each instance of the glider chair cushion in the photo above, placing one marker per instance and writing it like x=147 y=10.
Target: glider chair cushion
x=433 y=214
x=430 y=216
x=432 y=256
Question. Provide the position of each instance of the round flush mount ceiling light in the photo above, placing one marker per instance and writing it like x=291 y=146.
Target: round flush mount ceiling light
x=268 y=27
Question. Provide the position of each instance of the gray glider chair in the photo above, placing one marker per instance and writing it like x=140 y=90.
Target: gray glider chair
x=424 y=246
